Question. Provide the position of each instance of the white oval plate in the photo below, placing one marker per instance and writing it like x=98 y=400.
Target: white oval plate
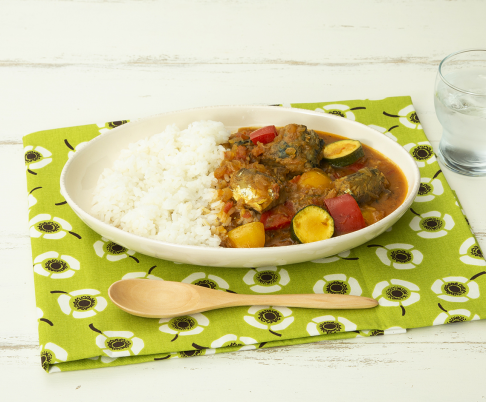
x=80 y=176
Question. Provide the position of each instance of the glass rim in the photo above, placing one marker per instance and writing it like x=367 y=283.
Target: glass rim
x=447 y=82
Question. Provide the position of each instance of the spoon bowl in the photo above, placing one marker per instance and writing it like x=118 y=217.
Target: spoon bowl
x=166 y=299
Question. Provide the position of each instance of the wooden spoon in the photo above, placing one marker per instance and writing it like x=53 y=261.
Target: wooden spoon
x=164 y=299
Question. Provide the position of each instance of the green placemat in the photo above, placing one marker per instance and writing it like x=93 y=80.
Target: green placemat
x=426 y=270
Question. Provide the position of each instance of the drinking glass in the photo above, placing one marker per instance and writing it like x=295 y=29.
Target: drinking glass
x=460 y=105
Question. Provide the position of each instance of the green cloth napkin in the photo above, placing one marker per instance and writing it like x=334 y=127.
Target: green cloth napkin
x=426 y=270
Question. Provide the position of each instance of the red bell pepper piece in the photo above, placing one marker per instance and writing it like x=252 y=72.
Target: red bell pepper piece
x=346 y=214
x=264 y=135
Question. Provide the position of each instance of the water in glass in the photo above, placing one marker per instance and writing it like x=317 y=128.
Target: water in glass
x=463 y=118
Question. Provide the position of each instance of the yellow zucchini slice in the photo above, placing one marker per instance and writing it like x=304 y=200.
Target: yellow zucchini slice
x=316 y=179
x=310 y=224
x=343 y=153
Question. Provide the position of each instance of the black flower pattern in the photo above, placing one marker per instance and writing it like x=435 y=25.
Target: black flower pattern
x=424 y=189
x=270 y=318
x=329 y=324
x=118 y=123
x=454 y=289
x=337 y=288
x=330 y=327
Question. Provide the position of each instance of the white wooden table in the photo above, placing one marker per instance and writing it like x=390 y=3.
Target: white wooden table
x=65 y=63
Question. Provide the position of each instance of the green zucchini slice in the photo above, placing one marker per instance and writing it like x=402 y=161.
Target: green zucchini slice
x=343 y=153
x=311 y=223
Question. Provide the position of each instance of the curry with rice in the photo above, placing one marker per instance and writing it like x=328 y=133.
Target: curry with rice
x=291 y=185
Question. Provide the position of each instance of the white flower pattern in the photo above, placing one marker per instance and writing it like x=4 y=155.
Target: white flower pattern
x=329 y=324
x=429 y=189
x=36 y=158
x=82 y=303
x=206 y=280
x=232 y=340
x=409 y=118
x=422 y=152
x=266 y=279
x=452 y=316
x=52 y=354
x=396 y=293
x=455 y=289
x=431 y=225
x=470 y=253
x=339 y=110
x=270 y=318
x=399 y=255
x=119 y=344
x=48 y=227
x=338 y=284
x=192 y=324
x=105 y=248
x=56 y=266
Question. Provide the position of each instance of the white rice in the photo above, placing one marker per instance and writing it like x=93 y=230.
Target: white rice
x=162 y=187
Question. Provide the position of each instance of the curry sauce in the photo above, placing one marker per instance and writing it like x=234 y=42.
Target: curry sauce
x=271 y=181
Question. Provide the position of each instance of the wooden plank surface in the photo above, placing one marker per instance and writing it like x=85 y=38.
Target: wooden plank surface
x=65 y=63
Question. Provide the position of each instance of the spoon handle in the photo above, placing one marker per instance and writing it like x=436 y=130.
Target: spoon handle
x=323 y=301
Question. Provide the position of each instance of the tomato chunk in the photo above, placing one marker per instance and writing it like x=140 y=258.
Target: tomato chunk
x=347 y=170
x=358 y=165
x=346 y=214
x=278 y=217
x=264 y=135
x=227 y=206
x=274 y=221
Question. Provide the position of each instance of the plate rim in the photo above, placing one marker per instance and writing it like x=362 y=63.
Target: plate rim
x=263 y=250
